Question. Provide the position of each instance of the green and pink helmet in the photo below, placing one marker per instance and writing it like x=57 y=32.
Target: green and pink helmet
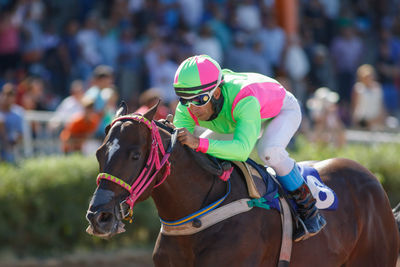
x=197 y=75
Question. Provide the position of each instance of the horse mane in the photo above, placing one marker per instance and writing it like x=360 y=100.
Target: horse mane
x=208 y=163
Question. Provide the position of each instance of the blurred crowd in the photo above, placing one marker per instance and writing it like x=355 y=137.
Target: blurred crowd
x=80 y=57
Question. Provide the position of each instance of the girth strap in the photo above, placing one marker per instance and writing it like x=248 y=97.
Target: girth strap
x=199 y=213
x=213 y=217
x=229 y=210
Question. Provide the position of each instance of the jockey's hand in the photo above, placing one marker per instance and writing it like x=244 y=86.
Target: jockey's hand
x=168 y=121
x=186 y=138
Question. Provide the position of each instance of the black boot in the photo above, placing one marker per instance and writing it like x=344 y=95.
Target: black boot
x=309 y=214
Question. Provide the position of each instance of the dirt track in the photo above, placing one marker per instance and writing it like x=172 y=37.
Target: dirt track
x=132 y=258
x=98 y=259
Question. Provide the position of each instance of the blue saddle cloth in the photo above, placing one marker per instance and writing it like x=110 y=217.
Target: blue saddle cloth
x=325 y=196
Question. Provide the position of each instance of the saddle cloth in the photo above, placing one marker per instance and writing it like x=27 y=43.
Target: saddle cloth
x=261 y=185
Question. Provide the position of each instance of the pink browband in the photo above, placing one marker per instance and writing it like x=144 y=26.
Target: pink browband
x=143 y=181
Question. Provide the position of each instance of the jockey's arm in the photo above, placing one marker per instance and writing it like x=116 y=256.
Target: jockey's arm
x=182 y=119
x=248 y=124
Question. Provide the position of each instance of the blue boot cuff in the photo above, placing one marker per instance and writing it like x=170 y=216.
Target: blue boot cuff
x=292 y=180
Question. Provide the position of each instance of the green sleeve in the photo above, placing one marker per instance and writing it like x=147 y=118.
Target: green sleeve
x=182 y=118
x=247 y=130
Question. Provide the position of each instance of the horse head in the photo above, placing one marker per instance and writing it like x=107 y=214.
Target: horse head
x=128 y=160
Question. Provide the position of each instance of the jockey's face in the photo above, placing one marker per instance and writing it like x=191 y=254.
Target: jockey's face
x=203 y=113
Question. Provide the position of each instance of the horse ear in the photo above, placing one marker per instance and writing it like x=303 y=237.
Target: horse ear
x=152 y=111
x=107 y=129
x=122 y=110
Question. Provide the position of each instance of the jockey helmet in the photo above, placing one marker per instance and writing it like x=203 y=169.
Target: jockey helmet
x=197 y=75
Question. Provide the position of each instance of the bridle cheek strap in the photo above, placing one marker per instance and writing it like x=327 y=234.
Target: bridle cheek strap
x=143 y=181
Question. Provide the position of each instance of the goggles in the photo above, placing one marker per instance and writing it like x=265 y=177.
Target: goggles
x=199 y=100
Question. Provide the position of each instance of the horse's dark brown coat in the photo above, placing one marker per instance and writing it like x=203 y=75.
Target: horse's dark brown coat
x=362 y=232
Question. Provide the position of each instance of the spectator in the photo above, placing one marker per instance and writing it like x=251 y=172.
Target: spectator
x=218 y=25
x=236 y=55
x=347 y=50
x=69 y=49
x=256 y=61
x=316 y=21
x=32 y=48
x=154 y=47
x=130 y=64
x=102 y=77
x=367 y=100
x=10 y=124
x=88 y=40
x=80 y=128
x=148 y=99
x=192 y=12
x=31 y=94
x=321 y=72
x=206 y=43
x=110 y=97
x=108 y=44
x=9 y=42
x=248 y=16
x=389 y=71
x=297 y=67
x=273 y=39
x=163 y=77
x=327 y=126
x=70 y=106
x=170 y=13
x=46 y=39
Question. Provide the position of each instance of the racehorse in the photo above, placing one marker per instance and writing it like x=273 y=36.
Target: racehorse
x=361 y=232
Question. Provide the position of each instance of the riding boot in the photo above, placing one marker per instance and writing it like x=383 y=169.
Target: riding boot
x=301 y=194
x=309 y=214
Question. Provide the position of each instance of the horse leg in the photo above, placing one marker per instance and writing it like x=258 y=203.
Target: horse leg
x=252 y=239
x=172 y=252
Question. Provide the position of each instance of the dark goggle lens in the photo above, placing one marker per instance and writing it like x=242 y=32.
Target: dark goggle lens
x=199 y=100
x=183 y=101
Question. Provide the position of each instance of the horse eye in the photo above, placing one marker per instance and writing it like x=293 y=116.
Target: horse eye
x=135 y=155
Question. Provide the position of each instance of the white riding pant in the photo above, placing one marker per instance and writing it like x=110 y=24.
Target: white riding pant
x=275 y=136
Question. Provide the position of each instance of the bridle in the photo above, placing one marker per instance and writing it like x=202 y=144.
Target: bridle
x=153 y=164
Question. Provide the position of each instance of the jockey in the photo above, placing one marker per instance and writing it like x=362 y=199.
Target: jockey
x=243 y=105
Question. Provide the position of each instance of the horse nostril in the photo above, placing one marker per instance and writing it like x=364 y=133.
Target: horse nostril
x=104 y=217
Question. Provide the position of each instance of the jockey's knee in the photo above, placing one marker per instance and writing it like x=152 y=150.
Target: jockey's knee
x=277 y=158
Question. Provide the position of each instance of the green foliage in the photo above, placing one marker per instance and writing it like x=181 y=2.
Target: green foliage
x=43 y=204
x=381 y=159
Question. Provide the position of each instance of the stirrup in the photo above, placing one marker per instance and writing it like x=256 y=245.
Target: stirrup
x=303 y=232
x=302 y=229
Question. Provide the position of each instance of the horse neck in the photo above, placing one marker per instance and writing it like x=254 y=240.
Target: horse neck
x=184 y=190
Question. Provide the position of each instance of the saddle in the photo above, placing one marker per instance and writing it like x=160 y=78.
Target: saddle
x=261 y=184
x=263 y=190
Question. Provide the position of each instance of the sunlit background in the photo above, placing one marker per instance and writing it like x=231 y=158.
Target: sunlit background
x=65 y=66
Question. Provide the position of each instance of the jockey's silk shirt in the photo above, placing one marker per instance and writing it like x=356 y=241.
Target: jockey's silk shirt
x=249 y=100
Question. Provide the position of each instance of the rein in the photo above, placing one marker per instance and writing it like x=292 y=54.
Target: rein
x=144 y=180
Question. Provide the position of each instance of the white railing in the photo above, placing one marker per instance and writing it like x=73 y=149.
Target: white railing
x=38 y=137
x=45 y=141
x=368 y=137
